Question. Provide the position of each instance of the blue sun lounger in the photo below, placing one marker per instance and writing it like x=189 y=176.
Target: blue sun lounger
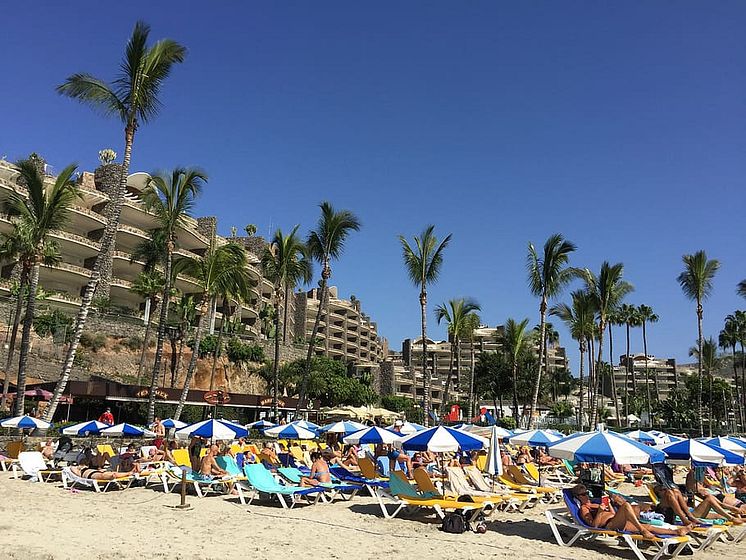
x=260 y=480
x=336 y=490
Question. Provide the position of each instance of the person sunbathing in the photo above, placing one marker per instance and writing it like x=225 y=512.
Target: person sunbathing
x=705 y=490
x=84 y=470
x=350 y=456
x=673 y=498
x=395 y=456
x=319 y=471
x=208 y=468
x=617 y=515
x=268 y=457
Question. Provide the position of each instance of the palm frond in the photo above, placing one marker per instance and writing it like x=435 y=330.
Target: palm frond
x=95 y=93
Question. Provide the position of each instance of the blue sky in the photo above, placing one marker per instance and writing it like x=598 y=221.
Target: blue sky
x=619 y=125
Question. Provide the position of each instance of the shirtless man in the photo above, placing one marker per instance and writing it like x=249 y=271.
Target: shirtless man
x=208 y=467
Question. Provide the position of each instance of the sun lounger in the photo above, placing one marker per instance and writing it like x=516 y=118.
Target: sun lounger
x=427 y=488
x=336 y=490
x=507 y=478
x=406 y=498
x=668 y=547
x=480 y=483
x=33 y=465
x=181 y=457
x=260 y=481
x=10 y=459
x=504 y=500
x=551 y=493
x=370 y=484
x=71 y=480
x=551 y=476
x=202 y=485
x=368 y=469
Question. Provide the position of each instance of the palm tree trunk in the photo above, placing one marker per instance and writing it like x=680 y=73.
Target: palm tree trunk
x=107 y=242
x=13 y=337
x=216 y=354
x=647 y=373
x=178 y=359
x=450 y=374
x=542 y=359
x=145 y=342
x=613 y=380
x=285 y=315
x=599 y=373
x=425 y=373
x=580 y=407
x=738 y=390
x=193 y=361
x=458 y=374
x=743 y=381
x=699 y=367
x=163 y=319
x=515 y=391
x=312 y=342
x=471 y=380
x=711 y=407
x=174 y=358
x=28 y=321
x=276 y=364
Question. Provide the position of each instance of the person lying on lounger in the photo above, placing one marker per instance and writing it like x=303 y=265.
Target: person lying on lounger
x=84 y=470
x=673 y=498
x=319 y=471
x=696 y=484
x=617 y=515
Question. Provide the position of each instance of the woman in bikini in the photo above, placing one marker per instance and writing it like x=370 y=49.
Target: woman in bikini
x=319 y=471
x=84 y=470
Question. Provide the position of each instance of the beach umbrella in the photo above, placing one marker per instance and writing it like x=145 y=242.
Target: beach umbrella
x=488 y=432
x=441 y=439
x=731 y=444
x=345 y=427
x=604 y=447
x=38 y=393
x=213 y=429
x=664 y=437
x=535 y=438
x=698 y=454
x=126 y=430
x=307 y=424
x=170 y=423
x=290 y=431
x=261 y=425
x=645 y=437
x=24 y=422
x=407 y=428
x=89 y=428
x=373 y=435
x=494 y=464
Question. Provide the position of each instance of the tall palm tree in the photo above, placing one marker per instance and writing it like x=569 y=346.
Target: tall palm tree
x=607 y=290
x=579 y=320
x=325 y=243
x=471 y=324
x=706 y=353
x=455 y=313
x=696 y=283
x=184 y=312
x=133 y=98
x=728 y=339
x=222 y=269
x=736 y=322
x=170 y=198
x=548 y=274
x=515 y=341
x=628 y=316
x=423 y=263
x=149 y=286
x=285 y=263
x=614 y=319
x=646 y=315
x=741 y=289
x=39 y=211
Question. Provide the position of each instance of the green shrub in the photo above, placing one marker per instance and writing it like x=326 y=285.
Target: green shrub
x=241 y=353
x=54 y=323
x=82 y=360
x=93 y=341
x=207 y=345
x=133 y=343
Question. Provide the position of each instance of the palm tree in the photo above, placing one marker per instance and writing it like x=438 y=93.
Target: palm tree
x=455 y=313
x=628 y=316
x=149 y=286
x=423 y=262
x=706 y=352
x=551 y=339
x=325 y=243
x=741 y=289
x=645 y=315
x=222 y=269
x=470 y=325
x=184 y=312
x=285 y=263
x=696 y=283
x=728 y=339
x=579 y=320
x=133 y=98
x=607 y=290
x=38 y=212
x=170 y=199
x=515 y=342
x=614 y=319
x=547 y=277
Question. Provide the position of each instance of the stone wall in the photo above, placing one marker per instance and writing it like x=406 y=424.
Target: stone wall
x=254 y=244
x=107 y=179
x=207 y=226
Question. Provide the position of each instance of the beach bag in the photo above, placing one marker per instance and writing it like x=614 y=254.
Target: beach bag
x=454 y=523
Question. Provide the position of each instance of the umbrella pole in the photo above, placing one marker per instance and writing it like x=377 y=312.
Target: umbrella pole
x=183 y=504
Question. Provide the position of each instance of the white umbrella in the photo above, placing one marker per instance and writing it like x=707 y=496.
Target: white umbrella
x=604 y=447
x=290 y=431
x=214 y=429
x=407 y=428
x=85 y=428
x=25 y=422
x=372 y=434
x=494 y=464
x=344 y=427
x=729 y=444
x=441 y=439
x=126 y=430
x=535 y=438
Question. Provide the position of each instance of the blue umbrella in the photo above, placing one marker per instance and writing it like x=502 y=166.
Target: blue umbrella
x=733 y=445
x=373 y=435
x=125 y=429
x=535 y=438
x=170 y=423
x=91 y=427
x=261 y=425
x=290 y=431
x=25 y=422
x=346 y=427
x=699 y=454
x=214 y=429
x=307 y=424
x=604 y=447
x=644 y=437
x=441 y=439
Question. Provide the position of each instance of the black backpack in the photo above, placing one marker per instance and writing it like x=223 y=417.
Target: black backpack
x=454 y=523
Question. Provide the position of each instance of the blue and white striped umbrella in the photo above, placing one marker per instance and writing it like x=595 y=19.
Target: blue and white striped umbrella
x=604 y=447
x=261 y=425
x=407 y=428
x=25 y=422
x=698 y=454
x=535 y=438
x=664 y=437
x=307 y=424
x=373 y=435
x=494 y=464
x=126 y=430
x=346 y=427
x=644 y=437
x=91 y=427
x=290 y=431
x=441 y=439
x=731 y=444
x=170 y=423
x=214 y=429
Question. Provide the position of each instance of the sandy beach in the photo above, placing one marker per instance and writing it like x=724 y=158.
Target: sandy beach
x=44 y=521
